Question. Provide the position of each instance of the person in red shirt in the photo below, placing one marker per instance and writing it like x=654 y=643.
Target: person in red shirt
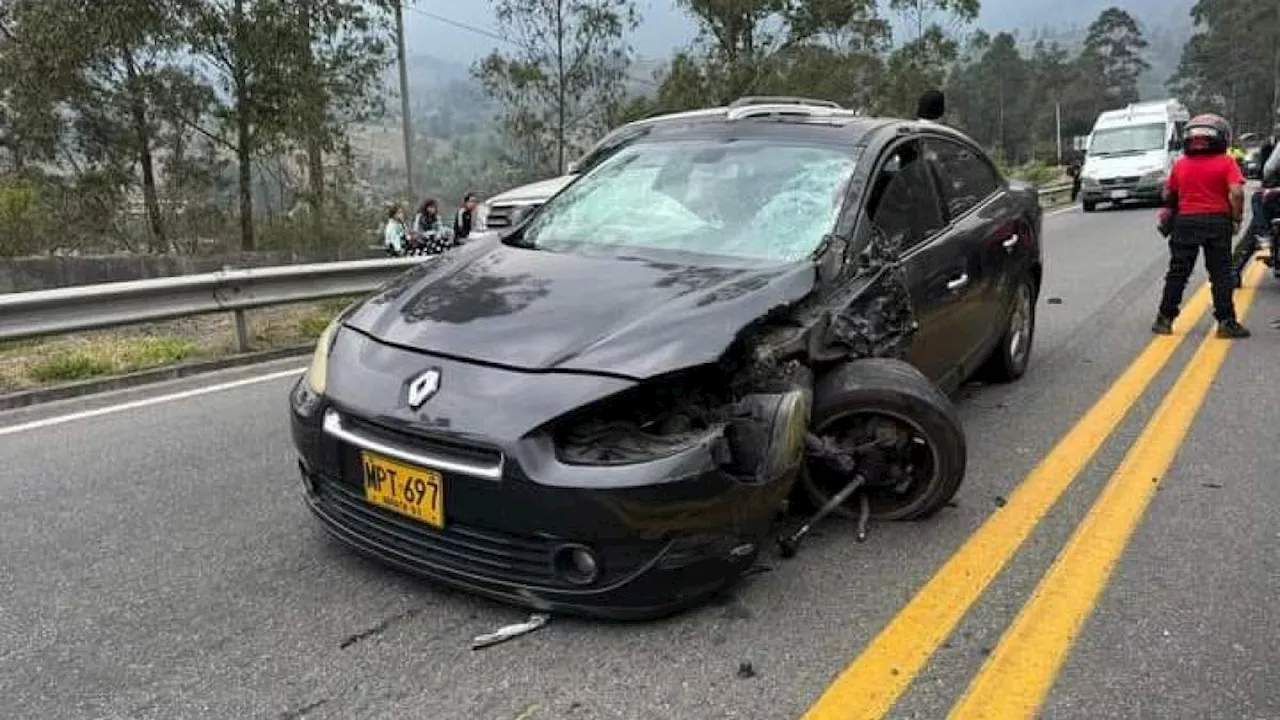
x=1205 y=193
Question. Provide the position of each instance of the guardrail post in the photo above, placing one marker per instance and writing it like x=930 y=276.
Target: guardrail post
x=242 y=331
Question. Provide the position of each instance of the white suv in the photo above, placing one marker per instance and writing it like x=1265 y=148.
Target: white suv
x=509 y=208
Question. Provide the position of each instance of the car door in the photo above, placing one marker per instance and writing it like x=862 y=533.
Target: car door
x=904 y=209
x=980 y=222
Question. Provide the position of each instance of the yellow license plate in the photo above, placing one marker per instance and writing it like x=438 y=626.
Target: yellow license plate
x=414 y=492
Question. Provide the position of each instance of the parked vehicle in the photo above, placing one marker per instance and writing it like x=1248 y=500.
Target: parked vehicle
x=604 y=410
x=1130 y=153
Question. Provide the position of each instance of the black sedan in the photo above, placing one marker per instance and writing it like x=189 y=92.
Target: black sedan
x=606 y=410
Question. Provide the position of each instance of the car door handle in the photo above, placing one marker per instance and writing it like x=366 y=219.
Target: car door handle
x=959 y=282
x=1011 y=243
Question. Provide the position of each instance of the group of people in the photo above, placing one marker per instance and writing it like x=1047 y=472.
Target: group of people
x=428 y=234
x=1203 y=210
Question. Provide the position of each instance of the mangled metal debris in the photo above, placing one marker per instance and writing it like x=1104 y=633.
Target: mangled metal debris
x=510 y=632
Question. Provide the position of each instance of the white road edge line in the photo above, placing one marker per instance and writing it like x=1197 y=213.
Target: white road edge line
x=146 y=402
x=1063 y=211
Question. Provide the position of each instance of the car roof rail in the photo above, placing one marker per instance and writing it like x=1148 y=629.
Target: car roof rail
x=780 y=100
x=784 y=110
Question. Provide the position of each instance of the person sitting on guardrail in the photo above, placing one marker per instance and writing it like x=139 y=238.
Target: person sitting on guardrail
x=1205 y=191
x=432 y=235
x=394 y=235
x=464 y=220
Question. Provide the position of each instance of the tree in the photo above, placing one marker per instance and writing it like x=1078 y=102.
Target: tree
x=1231 y=64
x=565 y=77
x=921 y=63
x=252 y=48
x=823 y=48
x=920 y=15
x=341 y=52
x=1112 y=55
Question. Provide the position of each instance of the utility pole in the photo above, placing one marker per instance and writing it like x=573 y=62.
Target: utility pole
x=1057 y=119
x=405 y=120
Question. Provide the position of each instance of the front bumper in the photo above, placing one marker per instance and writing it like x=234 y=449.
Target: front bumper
x=1121 y=193
x=661 y=547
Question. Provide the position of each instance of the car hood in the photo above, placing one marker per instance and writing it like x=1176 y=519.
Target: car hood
x=537 y=310
x=1110 y=166
x=538 y=192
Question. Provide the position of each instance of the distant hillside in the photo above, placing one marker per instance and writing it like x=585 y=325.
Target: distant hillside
x=1062 y=16
x=1166 y=24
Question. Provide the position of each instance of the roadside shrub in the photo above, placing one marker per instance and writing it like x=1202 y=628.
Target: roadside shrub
x=68 y=367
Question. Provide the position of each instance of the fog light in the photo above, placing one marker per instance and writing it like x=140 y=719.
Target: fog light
x=576 y=564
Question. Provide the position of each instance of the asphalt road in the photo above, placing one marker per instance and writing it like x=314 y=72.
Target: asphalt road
x=156 y=560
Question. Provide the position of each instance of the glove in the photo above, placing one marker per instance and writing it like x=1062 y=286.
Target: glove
x=1165 y=222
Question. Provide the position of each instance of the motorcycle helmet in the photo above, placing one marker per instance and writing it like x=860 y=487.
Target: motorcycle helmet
x=1207 y=134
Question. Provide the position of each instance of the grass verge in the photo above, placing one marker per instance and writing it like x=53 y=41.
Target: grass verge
x=30 y=364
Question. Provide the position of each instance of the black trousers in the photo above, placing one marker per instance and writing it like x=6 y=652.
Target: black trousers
x=1191 y=234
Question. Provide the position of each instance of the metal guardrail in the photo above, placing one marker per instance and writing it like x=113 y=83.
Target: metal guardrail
x=96 y=307
x=60 y=311
x=1055 y=191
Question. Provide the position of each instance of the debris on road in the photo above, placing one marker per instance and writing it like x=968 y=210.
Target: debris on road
x=746 y=670
x=508 y=632
x=1001 y=501
x=1055 y=301
x=1212 y=486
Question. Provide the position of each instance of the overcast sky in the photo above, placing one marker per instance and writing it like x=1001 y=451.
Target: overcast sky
x=665 y=28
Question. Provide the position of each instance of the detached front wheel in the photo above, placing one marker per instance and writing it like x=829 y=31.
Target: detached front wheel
x=885 y=416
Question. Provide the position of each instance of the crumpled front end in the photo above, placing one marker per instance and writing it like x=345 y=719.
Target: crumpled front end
x=559 y=491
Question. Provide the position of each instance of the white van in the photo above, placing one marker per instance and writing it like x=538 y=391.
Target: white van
x=1130 y=152
x=509 y=208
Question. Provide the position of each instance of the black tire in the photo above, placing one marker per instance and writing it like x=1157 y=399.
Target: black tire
x=896 y=391
x=1088 y=206
x=1009 y=360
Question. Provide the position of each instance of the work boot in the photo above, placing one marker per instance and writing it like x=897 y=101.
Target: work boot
x=1233 y=330
x=1163 y=325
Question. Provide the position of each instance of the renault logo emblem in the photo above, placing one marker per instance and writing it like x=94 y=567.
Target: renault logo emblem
x=423 y=387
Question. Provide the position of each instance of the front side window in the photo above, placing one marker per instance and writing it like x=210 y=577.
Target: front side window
x=746 y=199
x=1131 y=139
x=902 y=206
x=967 y=178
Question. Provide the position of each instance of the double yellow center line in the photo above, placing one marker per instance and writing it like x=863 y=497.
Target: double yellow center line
x=1020 y=671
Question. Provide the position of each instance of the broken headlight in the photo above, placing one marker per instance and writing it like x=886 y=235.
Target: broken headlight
x=651 y=421
x=758 y=436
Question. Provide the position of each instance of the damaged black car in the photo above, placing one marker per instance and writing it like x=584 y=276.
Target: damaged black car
x=604 y=410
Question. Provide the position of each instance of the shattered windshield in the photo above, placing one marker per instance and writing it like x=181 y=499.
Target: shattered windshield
x=1138 y=138
x=747 y=199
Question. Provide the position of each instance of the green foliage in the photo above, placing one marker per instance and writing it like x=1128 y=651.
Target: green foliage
x=109 y=356
x=1112 y=58
x=827 y=49
x=1232 y=63
x=68 y=367
x=124 y=117
x=560 y=86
